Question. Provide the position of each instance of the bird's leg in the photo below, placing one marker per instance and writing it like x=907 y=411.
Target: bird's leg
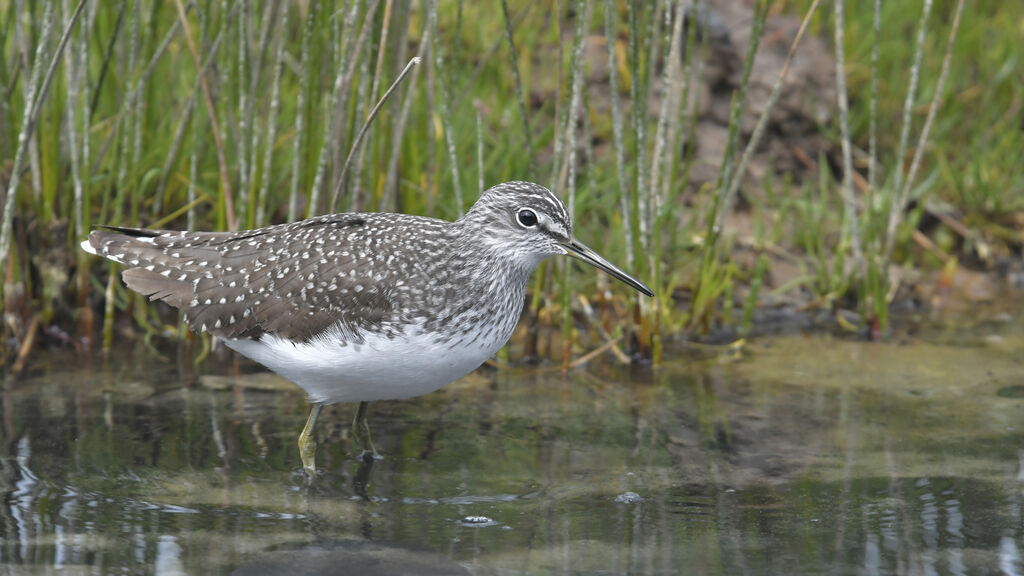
x=307 y=445
x=361 y=431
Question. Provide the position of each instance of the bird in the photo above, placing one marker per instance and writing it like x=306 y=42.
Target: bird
x=359 y=307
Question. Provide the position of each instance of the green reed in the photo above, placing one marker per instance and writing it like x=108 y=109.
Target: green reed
x=220 y=115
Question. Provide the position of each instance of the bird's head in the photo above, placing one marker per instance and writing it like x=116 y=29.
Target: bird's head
x=527 y=222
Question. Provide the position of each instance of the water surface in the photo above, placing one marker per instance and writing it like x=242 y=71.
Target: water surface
x=802 y=454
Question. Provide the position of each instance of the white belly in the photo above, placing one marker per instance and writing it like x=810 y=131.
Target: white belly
x=330 y=370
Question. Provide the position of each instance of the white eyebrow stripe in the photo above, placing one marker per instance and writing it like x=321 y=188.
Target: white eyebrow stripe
x=557 y=205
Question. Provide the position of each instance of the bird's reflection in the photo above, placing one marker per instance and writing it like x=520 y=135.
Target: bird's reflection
x=361 y=480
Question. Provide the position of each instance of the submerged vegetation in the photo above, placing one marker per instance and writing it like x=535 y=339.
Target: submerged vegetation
x=105 y=118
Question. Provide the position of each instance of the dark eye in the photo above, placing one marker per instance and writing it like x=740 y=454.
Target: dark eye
x=527 y=218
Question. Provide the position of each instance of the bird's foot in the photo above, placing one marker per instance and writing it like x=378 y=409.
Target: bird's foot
x=307 y=445
x=307 y=451
x=361 y=434
x=371 y=455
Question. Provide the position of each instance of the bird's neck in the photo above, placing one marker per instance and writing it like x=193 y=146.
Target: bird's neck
x=491 y=260
x=488 y=274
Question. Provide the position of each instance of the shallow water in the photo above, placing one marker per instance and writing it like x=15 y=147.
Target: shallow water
x=801 y=454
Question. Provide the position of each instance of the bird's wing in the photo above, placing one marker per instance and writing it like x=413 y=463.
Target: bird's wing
x=293 y=280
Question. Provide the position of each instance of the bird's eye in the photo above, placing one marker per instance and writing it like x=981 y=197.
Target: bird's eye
x=526 y=218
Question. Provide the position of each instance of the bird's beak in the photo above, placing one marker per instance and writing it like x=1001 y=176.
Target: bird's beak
x=577 y=249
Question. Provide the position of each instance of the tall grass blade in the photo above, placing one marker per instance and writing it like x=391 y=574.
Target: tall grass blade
x=896 y=210
x=446 y=120
x=908 y=104
x=300 y=110
x=638 y=98
x=37 y=90
x=582 y=23
x=852 y=219
x=225 y=180
x=618 y=143
x=513 y=61
x=275 y=106
x=873 y=106
x=339 y=97
x=728 y=172
x=244 y=113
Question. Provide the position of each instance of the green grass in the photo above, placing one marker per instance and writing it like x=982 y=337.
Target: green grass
x=973 y=161
x=154 y=161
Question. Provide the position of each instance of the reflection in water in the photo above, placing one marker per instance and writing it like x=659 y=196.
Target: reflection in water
x=801 y=457
x=361 y=480
x=351 y=557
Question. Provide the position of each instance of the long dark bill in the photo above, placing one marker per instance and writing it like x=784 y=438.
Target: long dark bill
x=579 y=250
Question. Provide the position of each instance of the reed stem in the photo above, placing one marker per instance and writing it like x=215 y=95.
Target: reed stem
x=852 y=218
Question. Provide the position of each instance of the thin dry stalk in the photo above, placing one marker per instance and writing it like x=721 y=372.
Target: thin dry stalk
x=873 y=111
x=667 y=116
x=22 y=39
x=48 y=79
x=433 y=135
x=159 y=53
x=346 y=70
x=582 y=20
x=270 y=23
x=366 y=128
x=852 y=219
x=513 y=57
x=138 y=109
x=128 y=115
x=225 y=68
x=762 y=122
x=38 y=89
x=479 y=150
x=332 y=107
x=183 y=123
x=897 y=209
x=244 y=110
x=345 y=33
x=197 y=143
x=908 y=104
x=357 y=202
x=275 y=106
x=488 y=55
x=193 y=173
x=684 y=122
x=381 y=52
x=617 y=139
x=356 y=170
x=390 y=182
x=446 y=120
x=575 y=101
x=83 y=67
x=639 y=121
x=727 y=171
x=72 y=77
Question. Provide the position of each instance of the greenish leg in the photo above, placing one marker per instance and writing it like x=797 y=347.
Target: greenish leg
x=307 y=445
x=361 y=431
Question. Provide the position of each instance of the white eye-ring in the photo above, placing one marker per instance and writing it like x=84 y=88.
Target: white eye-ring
x=526 y=218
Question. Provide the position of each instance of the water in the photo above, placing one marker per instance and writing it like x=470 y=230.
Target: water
x=802 y=454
